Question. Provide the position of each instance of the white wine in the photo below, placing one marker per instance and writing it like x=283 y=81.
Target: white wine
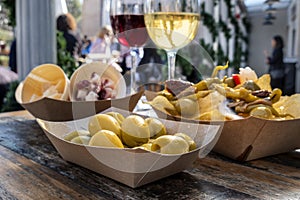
x=172 y=30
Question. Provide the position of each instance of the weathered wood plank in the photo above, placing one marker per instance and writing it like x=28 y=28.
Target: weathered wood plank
x=215 y=177
x=257 y=182
x=23 y=179
x=277 y=168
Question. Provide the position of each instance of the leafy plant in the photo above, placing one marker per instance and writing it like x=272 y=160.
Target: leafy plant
x=10 y=102
x=10 y=5
x=64 y=58
x=220 y=56
x=209 y=22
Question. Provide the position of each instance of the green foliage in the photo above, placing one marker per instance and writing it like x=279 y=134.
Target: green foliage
x=10 y=102
x=10 y=5
x=238 y=53
x=221 y=57
x=225 y=29
x=209 y=48
x=222 y=27
x=229 y=8
x=74 y=7
x=209 y=22
x=64 y=59
x=246 y=23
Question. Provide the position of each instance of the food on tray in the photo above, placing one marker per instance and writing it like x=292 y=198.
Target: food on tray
x=135 y=131
x=120 y=118
x=106 y=138
x=170 y=144
x=90 y=82
x=131 y=132
x=162 y=103
x=146 y=146
x=76 y=133
x=156 y=127
x=188 y=139
x=104 y=122
x=96 y=88
x=247 y=74
x=81 y=139
x=229 y=98
x=47 y=80
x=96 y=81
x=175 y=87
x=289 y=104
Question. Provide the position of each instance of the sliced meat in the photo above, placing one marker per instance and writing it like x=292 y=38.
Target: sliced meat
x=177 y=86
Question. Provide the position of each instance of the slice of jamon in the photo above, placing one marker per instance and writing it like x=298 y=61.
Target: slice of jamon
x=176 y=87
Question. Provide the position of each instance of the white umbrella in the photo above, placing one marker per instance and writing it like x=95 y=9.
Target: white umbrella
x=7 y=76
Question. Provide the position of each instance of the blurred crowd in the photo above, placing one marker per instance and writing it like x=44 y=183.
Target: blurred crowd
x=105 y=46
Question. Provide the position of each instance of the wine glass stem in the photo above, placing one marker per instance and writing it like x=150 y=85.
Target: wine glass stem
x=133 y=54
x=171 y=64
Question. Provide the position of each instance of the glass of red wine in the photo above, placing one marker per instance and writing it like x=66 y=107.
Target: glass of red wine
x=127 y=21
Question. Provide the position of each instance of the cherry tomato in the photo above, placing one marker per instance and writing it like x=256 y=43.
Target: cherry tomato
x=236 y=78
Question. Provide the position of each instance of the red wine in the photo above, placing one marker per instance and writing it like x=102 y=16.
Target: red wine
x=130 y=29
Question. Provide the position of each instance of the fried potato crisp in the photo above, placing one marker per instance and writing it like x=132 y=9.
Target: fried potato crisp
x=264 y=82
x=289 y=105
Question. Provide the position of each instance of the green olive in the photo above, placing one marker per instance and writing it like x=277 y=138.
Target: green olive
x=82 y=139
x=76 y=133
x=119 y=117
x=229 y=82
x=251 y=85
x=106 y=138
x=188 y=139
x=170 y=144
x=104 y=122
x=206 y=84
x=135 y=131
x=156 y=127
x=146 y=146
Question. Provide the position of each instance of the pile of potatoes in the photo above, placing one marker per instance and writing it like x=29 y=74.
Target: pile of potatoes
x=112 y=129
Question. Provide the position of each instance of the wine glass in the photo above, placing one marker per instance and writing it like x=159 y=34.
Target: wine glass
x=172 y=24
x=127 y=20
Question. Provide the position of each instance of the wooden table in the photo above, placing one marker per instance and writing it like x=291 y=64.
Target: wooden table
x=30 y=168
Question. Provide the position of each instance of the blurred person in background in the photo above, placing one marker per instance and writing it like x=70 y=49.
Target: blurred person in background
x=103 y=41
x=275 y=61
x=86 y=46
x=66 y=23
x=12 y=61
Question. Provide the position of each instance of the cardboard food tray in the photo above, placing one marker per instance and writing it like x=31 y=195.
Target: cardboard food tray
x=250 y=138
x=132 y=167
x=60 y=110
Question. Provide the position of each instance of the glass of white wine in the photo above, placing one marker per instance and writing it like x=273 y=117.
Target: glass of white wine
x=172 y=24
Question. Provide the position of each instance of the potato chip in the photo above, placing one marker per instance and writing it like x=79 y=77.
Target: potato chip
x=213 y=115
x=210 y=102
x=289 y=105
x=264 y=82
